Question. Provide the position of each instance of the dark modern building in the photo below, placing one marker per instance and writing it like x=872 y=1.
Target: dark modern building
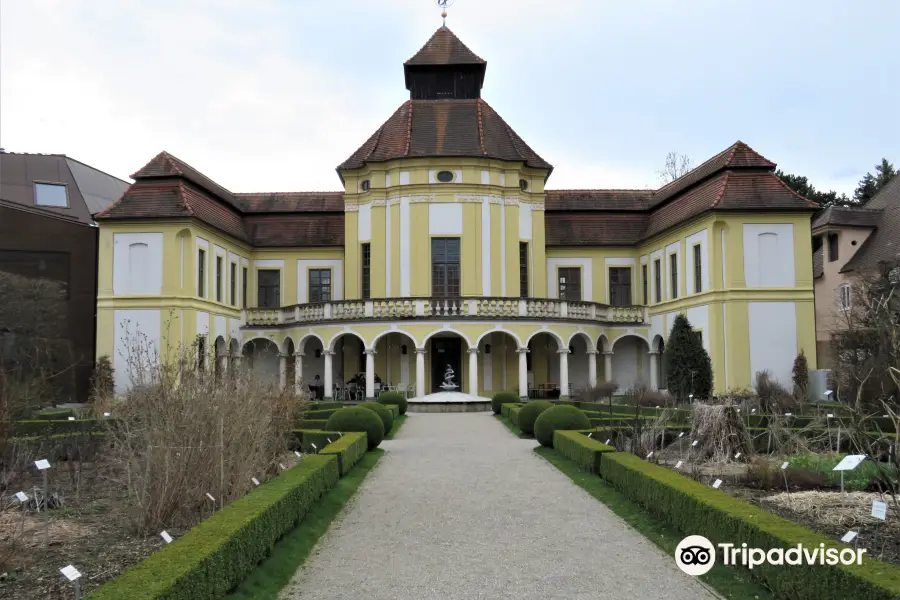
x=48 y=234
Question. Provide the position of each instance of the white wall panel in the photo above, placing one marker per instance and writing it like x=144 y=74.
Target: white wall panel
x=137 y=263
x=445 y=219
x=364 y=222
x=337 y=277
x=135 y=331
x=769 y=255
x=524 y=221
x=587 y=279
x=773 y=339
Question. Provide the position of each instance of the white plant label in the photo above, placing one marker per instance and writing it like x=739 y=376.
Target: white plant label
x=591 y=434
x=694 y=443
x=784 y=465
x=329 y=440
x=879 y=509
x=829 y=416
x=282 y=466
x=22 y=496
x=681 y=434
x=105 y=414
x=298 y=454
x=42 y=464
x=678 y=464
x=753 y=410
x=71 y=418
x=165 y=536
x=789 y=414
x=887 y=416
x=848 y=537
x=608 y=441
x=70 y=572
x=850 y=462
x=717 y=484
x=650 y=455
x=210 y=496
x=737 y=456
x=314 y=446
x=254 y=480
x=739 y=410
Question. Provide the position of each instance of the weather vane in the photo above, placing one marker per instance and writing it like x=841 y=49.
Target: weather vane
x=444 y=4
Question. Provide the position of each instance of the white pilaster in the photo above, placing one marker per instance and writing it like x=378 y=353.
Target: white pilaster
x=592 y=368
x=370 y=373
x=607 y=366
x=523 y=373
x=329 y=374
x=563 y=372
x=420 y=372
x=282 y=371
x=298 y=372
x=654 y=378
x=473 y=371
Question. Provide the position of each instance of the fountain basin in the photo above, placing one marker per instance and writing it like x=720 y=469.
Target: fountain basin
x=446 y=402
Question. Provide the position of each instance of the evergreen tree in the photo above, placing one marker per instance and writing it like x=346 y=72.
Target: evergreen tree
x=871 y=184
x=688 y=367
x=800 y=375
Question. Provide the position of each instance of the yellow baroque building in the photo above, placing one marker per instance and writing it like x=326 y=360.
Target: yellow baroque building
x=445 y=251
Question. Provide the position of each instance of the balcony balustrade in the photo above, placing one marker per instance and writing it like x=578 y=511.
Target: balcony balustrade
x=443 y=308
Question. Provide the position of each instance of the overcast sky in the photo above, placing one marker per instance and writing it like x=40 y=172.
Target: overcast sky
x=271 y=95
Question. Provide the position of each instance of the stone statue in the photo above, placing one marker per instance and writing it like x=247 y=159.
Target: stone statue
x=448 y=379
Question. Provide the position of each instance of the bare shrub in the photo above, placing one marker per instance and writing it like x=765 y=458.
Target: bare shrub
x=183 y=432
x=773 y=397
x=719 y=432
x=602 y=390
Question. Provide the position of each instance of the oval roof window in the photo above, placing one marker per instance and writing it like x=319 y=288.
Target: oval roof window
x=523 y=184
x=445 y=176
x=365 y=185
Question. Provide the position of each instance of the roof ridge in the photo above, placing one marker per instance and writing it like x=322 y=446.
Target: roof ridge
x=409 y=118
x=597 y=190
x=721 y=193
x=184 y=201
x=277 y=192
x=480 y=128
x=174 y=163
x=809 y=202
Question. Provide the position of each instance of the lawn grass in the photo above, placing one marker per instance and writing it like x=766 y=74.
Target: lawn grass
x=291 y=551
x=513 y=429
x=396 y=428
x=727 y=581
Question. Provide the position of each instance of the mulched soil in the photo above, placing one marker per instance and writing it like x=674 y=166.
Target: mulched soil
x=90 y=531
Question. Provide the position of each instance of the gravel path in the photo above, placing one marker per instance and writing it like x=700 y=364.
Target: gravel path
x=460 y=508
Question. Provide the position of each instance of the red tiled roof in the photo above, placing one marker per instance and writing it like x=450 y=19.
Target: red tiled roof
x=597 y=199
x=170 y=188
x=738 y=155
x=296 y=230
x=428 y=128
x=580 y=229
x=444 y=48
x=281 y=202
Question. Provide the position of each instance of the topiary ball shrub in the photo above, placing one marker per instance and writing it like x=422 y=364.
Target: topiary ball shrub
x=395 y=398
x=357 y=418
x=530 y=412
x=383 y=412
x=501 y=398
x=562 y=417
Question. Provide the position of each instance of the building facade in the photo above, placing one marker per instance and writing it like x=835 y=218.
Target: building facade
x=47 y=232
x=446 y=251
x=850 y=241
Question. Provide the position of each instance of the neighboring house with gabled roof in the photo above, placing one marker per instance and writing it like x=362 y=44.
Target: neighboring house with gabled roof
x=850 y=240
x=47 y=231
x=444 y=243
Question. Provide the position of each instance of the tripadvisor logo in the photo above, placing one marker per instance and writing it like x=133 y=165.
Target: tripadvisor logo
x=696 y=555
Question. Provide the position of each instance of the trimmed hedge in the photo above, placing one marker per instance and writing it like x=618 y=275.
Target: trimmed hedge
x=349 y=449
x=695 y=508
x=395 y=410
x=213 y=557
x=313 y=423
x=513 y=415
x=305 y=438
x=501 y=398
x=39 y=427
x=357 y=418
x=581 y=449
x=504 y=409
x=530 y=412
x=558 y=417
x=60 y=414
x=325 y=405
x=319 y=415
x=383 y=412
x=394 y=399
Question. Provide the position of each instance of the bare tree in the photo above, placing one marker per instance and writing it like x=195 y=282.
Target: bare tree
x=676 y=166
